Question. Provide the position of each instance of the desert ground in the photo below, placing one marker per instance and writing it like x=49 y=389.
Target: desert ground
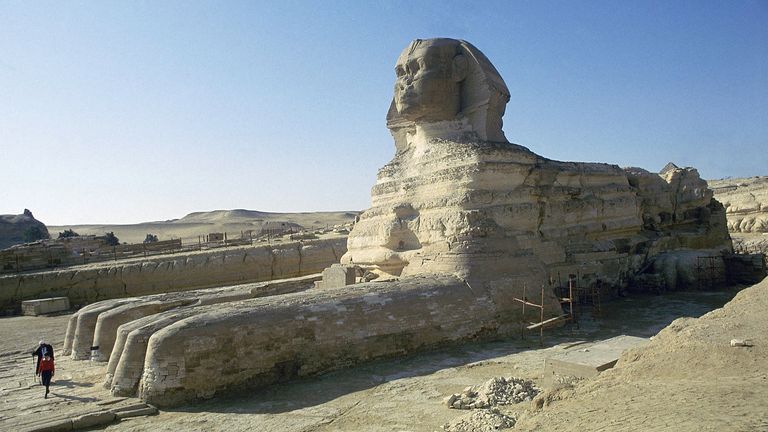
x=688 y=378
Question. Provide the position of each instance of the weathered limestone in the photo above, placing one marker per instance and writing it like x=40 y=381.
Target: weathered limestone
x=498 y=210
x=168 y=273
x=338 y=275
x=108 y=322
x=262 y=341
x=79 y=345
x=461 y=222
x=126 y=363
x=44 y=306
x=92 y=330
x=745 y=201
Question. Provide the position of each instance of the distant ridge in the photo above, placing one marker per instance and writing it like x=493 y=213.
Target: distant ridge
x=234 y=222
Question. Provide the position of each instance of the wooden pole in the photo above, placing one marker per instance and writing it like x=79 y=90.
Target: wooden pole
x=522 y=322
x=541 y=318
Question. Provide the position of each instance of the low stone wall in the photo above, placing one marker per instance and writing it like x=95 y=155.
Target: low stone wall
x=87 y=284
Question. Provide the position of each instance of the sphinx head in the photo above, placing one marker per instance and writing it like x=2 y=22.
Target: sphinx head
x=444 y=80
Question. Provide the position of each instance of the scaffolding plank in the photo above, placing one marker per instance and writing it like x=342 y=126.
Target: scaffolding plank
x=549 y=321
x=528 y=303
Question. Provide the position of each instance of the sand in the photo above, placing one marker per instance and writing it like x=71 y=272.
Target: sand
x=689 y=378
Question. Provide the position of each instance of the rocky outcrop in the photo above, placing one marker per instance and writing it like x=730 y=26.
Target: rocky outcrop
x=745 y=201
x=17 y=229
x=219 y=267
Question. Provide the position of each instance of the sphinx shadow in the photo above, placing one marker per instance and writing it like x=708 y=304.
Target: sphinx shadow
x=307 y=392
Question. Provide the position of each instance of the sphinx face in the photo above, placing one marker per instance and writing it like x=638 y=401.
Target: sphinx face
x=425 y=89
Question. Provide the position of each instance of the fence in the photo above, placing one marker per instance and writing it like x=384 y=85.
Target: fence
x=52 y=254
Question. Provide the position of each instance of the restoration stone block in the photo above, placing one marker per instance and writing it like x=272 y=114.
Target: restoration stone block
x=590 y=360
x=44 y=306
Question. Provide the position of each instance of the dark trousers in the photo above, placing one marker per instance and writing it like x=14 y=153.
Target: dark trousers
x=47 y=378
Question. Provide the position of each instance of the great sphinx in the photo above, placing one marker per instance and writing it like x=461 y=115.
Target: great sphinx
x=461 y=222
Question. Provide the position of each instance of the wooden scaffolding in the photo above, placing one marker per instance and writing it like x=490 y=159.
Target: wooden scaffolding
x=542 y=324
x=585 y=295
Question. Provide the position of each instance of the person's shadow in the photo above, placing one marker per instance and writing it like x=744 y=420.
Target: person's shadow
x=75 y=398
x=69 y=383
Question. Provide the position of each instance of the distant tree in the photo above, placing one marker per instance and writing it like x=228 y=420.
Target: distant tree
x=111 y=239
x=34 y=233
x=151 y=238
x=68 y=233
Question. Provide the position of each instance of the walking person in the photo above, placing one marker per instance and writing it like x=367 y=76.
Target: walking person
x=41 y=350
x=46 y=369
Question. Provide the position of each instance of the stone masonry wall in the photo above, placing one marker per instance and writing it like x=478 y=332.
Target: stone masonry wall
x=87 y=284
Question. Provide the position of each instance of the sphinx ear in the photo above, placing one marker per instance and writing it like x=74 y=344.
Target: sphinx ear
x=460 y=66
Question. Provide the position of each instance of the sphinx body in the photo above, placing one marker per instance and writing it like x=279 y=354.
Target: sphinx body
x=461 y=222
x=458 y=198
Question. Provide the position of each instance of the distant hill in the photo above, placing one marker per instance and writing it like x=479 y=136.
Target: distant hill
x=17 y=229
x=233 y=222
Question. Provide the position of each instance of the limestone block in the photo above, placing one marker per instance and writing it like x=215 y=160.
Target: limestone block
x=588 y=360
x=44 y=306
x=338 y=275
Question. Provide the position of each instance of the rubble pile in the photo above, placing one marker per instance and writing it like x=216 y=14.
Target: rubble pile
x=489 y=420
x=495 y=391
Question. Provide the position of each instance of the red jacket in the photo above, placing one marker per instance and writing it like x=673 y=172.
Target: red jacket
x=46 y=365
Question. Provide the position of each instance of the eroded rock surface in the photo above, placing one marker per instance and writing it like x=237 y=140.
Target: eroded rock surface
x=745 y=201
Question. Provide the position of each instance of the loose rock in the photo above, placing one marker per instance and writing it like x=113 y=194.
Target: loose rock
x=494 y=392
x=489 y=420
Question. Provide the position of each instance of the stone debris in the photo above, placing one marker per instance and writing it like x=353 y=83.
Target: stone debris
x=495 y=391
x=486 y=420
x=741 y=343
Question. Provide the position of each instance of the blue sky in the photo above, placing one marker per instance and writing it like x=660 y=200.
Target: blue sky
x=124 y=112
